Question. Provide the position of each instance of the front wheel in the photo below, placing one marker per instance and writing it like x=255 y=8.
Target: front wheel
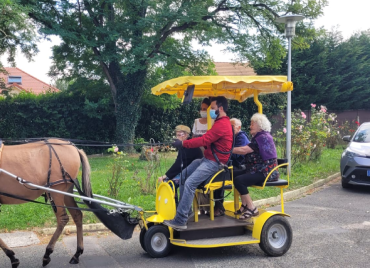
x=346 y=185
x=276 y=236
x=156 y=241
x=142 y=235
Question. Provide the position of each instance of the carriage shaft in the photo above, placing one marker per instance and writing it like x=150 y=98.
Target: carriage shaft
x=47 y=189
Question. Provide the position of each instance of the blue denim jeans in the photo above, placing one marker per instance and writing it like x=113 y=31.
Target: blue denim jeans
x=197 y=172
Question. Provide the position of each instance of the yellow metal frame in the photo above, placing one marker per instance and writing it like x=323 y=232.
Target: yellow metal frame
x=282 y=187
x=260 y=222
x=211 y=195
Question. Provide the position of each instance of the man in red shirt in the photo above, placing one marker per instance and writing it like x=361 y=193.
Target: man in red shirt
x=199 y=170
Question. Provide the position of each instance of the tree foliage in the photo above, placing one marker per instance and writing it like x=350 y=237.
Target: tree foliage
x=333 y=72
x=123 y=39
x=16 y=31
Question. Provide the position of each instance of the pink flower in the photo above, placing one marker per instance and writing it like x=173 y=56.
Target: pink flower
x=284 y=130
x=313 y=105
x=303 y=115
x=115 y=149
x=323 y=109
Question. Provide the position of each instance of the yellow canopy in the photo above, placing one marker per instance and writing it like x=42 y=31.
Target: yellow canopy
x=232 y=87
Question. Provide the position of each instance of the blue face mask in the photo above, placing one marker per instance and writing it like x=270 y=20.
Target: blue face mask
x=213 y=114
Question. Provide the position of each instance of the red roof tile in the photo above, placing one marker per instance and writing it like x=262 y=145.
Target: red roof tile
x=29 y=83
x=229 y=68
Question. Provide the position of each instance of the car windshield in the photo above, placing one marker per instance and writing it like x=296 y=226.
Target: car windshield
x=363 y=134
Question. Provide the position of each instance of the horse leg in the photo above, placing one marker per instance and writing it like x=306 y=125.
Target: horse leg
x=77 y=218
x=62 y=220
x=9 y=253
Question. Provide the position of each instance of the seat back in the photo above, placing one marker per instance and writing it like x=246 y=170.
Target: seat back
x=282 y=163
x=221 y=177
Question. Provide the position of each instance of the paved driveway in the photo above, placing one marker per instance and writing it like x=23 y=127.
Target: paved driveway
x=331 y=228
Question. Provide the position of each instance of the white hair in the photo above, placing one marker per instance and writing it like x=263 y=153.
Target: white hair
x=236 y=121
x=262 y=121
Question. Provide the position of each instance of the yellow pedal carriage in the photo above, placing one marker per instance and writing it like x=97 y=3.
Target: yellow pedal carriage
x=270 y=229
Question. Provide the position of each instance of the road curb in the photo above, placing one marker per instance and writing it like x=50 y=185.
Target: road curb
x=99 y=227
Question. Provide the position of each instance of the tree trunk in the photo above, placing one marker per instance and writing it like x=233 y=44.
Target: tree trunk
x=128 y=110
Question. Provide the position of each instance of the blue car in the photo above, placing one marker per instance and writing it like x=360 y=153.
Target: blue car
x=355 y=161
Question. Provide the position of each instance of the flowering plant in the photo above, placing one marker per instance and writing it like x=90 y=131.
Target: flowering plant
x=309 y=135
x=119 y=170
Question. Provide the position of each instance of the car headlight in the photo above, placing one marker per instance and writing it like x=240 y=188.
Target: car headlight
x=351 y=154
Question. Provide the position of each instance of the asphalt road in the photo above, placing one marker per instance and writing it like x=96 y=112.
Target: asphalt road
x=331 y=228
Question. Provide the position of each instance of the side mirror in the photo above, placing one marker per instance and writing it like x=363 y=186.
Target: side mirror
x=347 y=138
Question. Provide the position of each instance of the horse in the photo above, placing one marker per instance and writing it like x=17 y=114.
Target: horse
x=51 y=163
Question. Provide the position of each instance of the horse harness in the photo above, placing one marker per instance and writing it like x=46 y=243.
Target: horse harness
x=65 y=174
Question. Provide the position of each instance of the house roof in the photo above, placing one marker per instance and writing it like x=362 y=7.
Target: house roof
x=230 y=69
x=29 y=82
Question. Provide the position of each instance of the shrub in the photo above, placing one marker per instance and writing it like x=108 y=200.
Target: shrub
x=119 y=171
x=309 y=138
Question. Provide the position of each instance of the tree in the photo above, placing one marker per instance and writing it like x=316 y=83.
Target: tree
x=16 y=31
x=123 y=39
x=333 y=72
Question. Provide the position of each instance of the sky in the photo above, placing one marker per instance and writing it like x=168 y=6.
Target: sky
x=348 y=16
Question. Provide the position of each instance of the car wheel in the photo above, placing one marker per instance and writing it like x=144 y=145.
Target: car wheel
x=345 y=185
x=276 y=236
x=157 y=242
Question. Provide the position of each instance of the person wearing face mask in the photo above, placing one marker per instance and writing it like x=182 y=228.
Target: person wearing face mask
x=221 y=136
x=185 y=156
x=200 y=124
x=200 y=127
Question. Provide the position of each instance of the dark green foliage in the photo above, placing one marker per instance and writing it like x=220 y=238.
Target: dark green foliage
x=332 y=72
x=16 y=31
x=159 y=124
x=64 y=115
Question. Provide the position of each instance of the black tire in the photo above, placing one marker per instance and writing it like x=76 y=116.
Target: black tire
x=142 y=234
x=157 y=242
x=276 y=236
x=346 y=185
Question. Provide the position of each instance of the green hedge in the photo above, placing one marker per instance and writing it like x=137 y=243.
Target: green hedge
x=71 y=115
x=65 y=115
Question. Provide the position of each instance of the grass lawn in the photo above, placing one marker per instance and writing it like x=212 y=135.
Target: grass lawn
x=138 y=174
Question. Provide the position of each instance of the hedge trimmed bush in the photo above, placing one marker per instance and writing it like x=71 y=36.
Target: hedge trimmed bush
x=70 y=114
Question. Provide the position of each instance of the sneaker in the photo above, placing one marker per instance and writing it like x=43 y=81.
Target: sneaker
x=175 y=225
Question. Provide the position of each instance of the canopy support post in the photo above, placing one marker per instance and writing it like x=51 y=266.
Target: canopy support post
x=257 y=102
x=209 y=119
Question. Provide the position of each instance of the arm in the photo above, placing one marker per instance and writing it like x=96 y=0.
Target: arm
x=175 y=168
x=243 y=150
x=209 y=137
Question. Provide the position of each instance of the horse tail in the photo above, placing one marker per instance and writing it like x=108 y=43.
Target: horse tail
x=86 y=171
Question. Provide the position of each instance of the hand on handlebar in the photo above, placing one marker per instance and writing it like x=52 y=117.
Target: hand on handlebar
x=177 y=144
x=160 y=179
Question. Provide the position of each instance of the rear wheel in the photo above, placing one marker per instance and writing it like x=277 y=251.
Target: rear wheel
x=157 y=242
x=276 y=236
